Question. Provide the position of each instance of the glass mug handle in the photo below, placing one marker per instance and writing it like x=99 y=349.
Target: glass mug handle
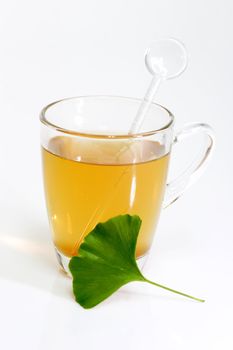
x=175 y=188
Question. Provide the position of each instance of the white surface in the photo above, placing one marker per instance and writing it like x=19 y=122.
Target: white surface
x=54 y=49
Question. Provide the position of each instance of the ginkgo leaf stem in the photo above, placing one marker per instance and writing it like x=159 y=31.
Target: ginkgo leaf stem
x=174 y=291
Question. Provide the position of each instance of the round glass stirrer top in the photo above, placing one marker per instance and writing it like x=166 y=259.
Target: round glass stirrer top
x=165 y=59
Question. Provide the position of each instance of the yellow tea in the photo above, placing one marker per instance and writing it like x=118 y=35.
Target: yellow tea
x=90 y=181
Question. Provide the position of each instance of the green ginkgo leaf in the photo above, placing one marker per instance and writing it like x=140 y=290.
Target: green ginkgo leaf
x=106 y=261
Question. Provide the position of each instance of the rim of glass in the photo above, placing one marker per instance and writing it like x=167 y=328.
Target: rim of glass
x=47 y=123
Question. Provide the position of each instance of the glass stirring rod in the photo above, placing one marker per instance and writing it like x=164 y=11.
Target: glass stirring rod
x=165 y=59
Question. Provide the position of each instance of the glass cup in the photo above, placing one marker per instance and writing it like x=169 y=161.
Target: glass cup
x=94 y=169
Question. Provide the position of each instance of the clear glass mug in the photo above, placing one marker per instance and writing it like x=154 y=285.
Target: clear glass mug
x=94 y=169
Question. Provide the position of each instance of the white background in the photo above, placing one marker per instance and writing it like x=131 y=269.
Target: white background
x=55 y=49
